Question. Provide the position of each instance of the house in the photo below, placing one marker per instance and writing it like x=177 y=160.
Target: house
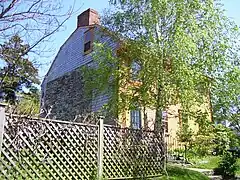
x=62 y=88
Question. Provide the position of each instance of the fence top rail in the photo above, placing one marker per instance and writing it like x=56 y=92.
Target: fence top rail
x=49 y=120
x=38 y=119
x=128 y=128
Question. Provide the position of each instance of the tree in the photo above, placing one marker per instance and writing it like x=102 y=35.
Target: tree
x=226 y=98
x=182 y=47
x=29 y=103
x=18 y=72
x=33 y=20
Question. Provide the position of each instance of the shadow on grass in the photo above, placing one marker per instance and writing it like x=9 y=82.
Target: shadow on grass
x=178 y=173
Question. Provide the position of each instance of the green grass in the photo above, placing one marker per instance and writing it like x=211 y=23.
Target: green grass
x=178 y=173
x=210 y=162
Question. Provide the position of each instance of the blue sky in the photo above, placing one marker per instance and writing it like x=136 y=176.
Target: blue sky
x=231 y=6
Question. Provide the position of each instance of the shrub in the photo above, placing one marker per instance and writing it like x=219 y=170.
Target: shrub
x=216 y=139
x=228 y=165
x=185 y=134
x=222 y=139
x=203 y=145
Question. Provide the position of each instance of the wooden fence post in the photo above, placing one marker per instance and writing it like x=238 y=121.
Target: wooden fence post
x=100 y=148
x=2 y=123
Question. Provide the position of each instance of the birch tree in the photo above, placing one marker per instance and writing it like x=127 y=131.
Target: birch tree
x=182 y=47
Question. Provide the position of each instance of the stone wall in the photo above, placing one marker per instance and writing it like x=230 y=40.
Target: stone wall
x=65 y=97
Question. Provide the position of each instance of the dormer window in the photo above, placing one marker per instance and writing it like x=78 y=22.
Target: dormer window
x=88 y=41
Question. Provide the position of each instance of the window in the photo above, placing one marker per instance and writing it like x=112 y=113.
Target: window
x=165 y=121
x=136 y=119
x=135 y=70
x=88 y=41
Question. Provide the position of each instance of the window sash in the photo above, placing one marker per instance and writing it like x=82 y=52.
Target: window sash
x=136 y=119
x=87 y=46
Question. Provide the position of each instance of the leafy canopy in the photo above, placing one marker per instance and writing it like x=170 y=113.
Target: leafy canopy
x=183 y=48
x=18 y=72
x=29 y=103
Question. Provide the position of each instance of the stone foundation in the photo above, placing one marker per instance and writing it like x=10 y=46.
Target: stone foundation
x=65 y=97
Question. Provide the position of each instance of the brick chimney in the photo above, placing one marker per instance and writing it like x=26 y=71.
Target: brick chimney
x=88 y=17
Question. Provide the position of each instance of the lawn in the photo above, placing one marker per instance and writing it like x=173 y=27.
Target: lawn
x=210 y=162
x=178 y=173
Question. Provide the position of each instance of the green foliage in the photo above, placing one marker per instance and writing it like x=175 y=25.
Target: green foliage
x=225 y=99
x=180 y=46
x=203 y=141
x=214 y=138
x=197 y=144
x=185 y=134
x=29 y=103
x=178 y=173
x=228 y=165
x=18 y=72
x=224 y=138
x=211 y=162
x=219 y=139
x=23 y=170
x=207 y=162
x=102 y=71
x=203 y=145
x=38 y=165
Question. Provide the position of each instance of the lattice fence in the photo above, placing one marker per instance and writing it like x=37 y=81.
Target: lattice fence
x=130 y=153
x=50 y=149
x=42 y=149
